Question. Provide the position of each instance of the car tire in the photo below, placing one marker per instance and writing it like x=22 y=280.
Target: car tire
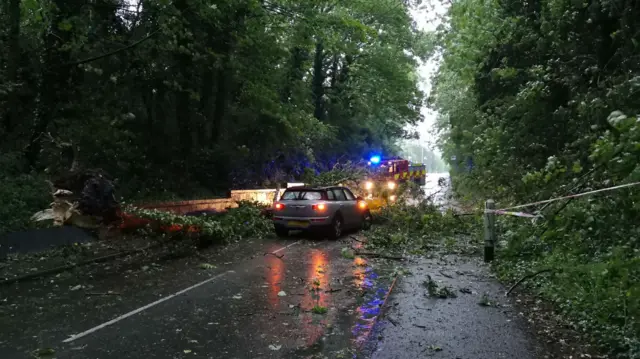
x=335 y=229
x=367 y=221
x=282 y=231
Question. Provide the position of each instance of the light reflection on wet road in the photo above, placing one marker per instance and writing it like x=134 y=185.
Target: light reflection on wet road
x=238 y=315
x=373 y=292
x=317 y=283
x=274 y=270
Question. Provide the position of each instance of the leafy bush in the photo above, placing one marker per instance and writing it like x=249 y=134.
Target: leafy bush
x=21 y=195
x=592 y=243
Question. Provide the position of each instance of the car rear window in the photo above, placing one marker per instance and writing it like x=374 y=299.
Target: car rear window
x=302 y=195
x=339 y=194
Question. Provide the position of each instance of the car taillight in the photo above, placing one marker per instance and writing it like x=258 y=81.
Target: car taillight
x=362 y=204
x=278 y=206
x=319 y=207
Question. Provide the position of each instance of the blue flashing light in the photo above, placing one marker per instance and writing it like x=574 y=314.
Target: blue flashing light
x=375 y=160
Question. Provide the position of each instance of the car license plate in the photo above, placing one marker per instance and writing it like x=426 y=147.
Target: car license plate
x=298 y=224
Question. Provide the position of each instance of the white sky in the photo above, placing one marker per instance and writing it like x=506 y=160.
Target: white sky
x=428 y=16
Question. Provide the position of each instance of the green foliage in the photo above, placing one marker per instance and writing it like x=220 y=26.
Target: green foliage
x=22 y=196
x=437 y=291
x=244 y=222
x=349 y=174
x=187 y=99
x=318 y=309
x=416 y=227
x=538 y=96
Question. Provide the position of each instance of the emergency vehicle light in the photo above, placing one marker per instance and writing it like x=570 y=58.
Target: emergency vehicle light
x=375 y=159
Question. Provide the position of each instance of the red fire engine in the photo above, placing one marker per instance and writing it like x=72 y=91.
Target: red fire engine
x=389 y=172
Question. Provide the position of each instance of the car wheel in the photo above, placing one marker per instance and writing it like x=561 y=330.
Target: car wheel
x=282 y=231
x=367 y=221
x=335 y=230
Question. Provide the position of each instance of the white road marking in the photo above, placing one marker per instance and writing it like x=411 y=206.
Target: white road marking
x=141 y=309
x=285 y=247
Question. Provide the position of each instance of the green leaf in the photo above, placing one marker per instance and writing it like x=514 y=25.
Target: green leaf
x=65 y=25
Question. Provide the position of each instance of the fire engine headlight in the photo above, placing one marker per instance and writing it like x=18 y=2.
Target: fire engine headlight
x=368 y=185
x=391 y=185
x=392 y=198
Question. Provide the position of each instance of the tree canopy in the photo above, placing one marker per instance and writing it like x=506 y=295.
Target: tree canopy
x=540 y=97
x=186 y=96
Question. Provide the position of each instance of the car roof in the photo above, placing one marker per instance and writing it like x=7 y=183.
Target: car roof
x=313 y=188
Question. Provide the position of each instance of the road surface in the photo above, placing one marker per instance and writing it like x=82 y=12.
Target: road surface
x=250 y=305
x=256 y=300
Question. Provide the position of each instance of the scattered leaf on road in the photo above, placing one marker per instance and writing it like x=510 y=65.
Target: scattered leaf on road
x=187 y=351
x=347 y=253
x=282 y=293
x=465 y=290
x=207 y=266
x=275 y=347
x=44 y=352
x=237 y=296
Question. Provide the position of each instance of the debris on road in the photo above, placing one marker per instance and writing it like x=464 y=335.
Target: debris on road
x=207 y=266
x=436 y=291
x=43 y=353
x=275 y=255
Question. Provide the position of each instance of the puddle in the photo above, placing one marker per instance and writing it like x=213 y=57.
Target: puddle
x=345 y=335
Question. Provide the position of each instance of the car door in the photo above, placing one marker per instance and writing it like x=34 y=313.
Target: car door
x=350 y=207
x=340 y=200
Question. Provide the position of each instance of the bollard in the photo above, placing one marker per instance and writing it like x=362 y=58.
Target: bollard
x=489 y=230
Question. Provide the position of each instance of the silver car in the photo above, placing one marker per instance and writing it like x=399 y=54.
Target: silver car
x=328 y=210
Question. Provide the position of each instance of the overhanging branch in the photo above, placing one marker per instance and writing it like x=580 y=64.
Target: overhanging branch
x=98 y=57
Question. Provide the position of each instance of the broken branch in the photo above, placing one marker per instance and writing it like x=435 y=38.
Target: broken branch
x=101 y=294
x=378 y=255
x=275 y=255
x=525 y=278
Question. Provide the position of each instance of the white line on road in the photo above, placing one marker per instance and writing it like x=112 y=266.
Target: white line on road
x=141 y=309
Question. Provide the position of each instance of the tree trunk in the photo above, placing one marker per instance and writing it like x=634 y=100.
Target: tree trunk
x=318 y=81
x=53 y=87
x=220 y=110
x=183 y=109
x=13 y=65
x=206 y=109
x=296 y=72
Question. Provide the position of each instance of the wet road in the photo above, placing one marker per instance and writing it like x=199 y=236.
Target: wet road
x=251 y=306
x=477 y=323
x=248 y=304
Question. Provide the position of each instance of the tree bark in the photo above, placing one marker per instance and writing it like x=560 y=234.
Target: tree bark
x=296 y=72
x=318 y=81
x=13 y=65
x=183 y=108
x=53 y=87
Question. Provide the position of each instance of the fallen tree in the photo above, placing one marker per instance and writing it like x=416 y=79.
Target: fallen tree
x=81 y=197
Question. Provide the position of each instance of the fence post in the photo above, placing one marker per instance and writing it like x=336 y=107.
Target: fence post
x=489 y=231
